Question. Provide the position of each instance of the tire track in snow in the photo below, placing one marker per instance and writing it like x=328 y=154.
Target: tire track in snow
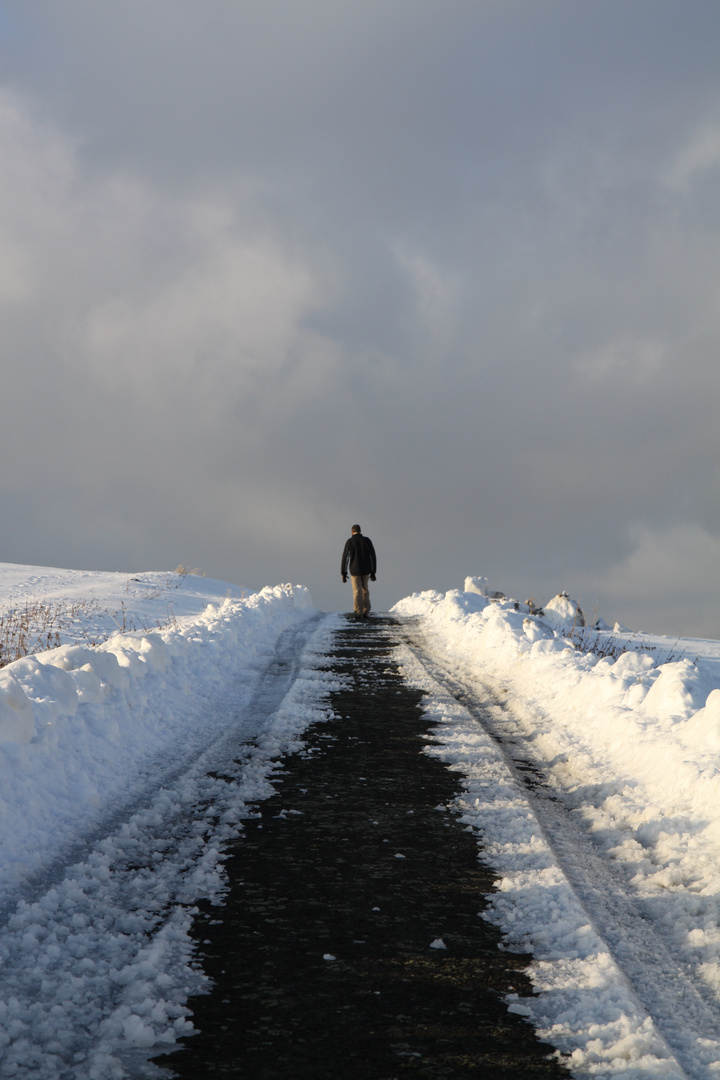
x=97 y=964
x=685 y=1019
x=166 y=770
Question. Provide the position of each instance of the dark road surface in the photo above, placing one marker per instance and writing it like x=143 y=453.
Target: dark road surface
x=352 y=859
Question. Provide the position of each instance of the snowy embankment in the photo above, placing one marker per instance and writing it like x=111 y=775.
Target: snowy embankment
x=85 y=730
x=630 y=743
x=125 y=770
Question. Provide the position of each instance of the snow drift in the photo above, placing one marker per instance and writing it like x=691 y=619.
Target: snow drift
x=82 y=729
x=628 y=741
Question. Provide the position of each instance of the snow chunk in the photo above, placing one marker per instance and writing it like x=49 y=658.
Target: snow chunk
x=17 y=717
x=563 y=613
x=46 y=684
x=703 y=730
x=679 y=691
x=103 y=663
x=477 y=585
x=537 y=629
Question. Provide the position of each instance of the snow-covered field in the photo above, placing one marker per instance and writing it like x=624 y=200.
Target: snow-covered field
x=592 y=782
x=618 y=900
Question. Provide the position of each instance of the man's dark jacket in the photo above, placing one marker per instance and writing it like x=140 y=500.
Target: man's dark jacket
x=361 y=553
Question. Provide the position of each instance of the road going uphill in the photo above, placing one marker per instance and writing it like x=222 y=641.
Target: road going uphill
x=350 y=942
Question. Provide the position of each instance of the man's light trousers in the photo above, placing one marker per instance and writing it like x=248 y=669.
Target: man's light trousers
x=361 y=596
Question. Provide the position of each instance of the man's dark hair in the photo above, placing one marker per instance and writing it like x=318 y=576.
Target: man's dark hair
x=356 y=528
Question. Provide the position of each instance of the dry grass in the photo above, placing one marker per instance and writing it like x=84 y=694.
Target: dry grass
x=613 y=647
x=34 y=625
x=37 y=625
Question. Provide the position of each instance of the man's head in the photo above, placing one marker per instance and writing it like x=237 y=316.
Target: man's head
x=356 y=529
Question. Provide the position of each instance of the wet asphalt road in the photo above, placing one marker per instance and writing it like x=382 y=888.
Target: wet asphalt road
x=352 y=859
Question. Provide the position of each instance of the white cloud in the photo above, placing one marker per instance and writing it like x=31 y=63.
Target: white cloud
x=136 y=291
x=699 y=155
x=239 y=305
x=37 y=166
x=633 y=360
x=148 y=342
x=437 y=295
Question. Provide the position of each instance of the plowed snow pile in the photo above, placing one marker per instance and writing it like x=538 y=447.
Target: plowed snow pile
x=83 y=728
x=629 y=742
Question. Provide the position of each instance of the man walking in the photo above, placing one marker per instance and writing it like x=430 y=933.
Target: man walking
x=359 y=553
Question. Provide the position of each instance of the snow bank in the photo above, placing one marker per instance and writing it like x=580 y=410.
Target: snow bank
x=631 y=742
x=629 y=720
x=84 y=730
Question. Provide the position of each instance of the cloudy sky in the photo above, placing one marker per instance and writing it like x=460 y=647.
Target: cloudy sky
x=448 y=268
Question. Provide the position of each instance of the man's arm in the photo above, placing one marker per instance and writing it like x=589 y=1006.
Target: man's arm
x=373 y=557
x=344 y=561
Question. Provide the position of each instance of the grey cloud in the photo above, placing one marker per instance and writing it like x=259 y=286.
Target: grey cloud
x=277 y=267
